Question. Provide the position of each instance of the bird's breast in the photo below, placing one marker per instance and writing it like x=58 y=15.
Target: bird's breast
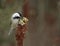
x=15 y=21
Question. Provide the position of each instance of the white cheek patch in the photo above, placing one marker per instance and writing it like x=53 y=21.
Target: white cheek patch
x=15 y=14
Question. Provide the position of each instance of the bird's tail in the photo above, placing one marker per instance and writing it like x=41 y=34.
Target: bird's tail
x=10 y=31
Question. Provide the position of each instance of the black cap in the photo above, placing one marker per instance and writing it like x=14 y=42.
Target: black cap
x=20 y=13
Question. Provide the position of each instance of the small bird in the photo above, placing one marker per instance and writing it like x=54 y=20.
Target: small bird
x=17 y=18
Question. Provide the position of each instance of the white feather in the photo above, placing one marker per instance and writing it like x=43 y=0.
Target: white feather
x=14 y=22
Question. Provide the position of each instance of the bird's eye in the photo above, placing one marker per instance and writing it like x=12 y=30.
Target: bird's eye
x=16 y=17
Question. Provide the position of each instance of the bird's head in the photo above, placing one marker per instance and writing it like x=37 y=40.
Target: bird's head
x=19 y=16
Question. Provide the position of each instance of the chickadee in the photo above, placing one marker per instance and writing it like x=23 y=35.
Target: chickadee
x=14 y=21
x=17 y=18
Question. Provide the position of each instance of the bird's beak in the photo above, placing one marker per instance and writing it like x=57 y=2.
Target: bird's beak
x=23 y=21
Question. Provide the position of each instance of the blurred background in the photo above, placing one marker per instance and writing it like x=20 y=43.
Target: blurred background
x=43 y=25
x=7 y=8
